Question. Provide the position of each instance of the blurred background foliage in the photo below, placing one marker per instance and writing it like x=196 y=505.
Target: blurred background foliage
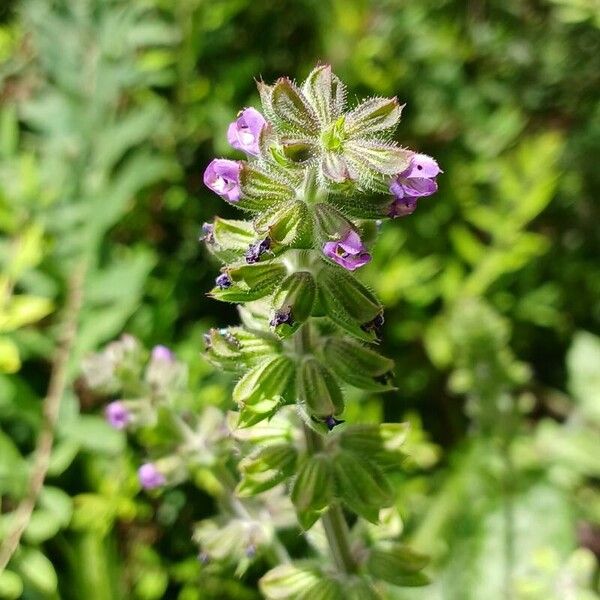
x=109 y=111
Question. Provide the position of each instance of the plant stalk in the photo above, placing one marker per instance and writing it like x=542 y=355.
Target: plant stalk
x=334 y=522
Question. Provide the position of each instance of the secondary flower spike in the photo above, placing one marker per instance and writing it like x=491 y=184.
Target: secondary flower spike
x=416 y=181
x=244 y=133
x=222 y=176
x=348 y=252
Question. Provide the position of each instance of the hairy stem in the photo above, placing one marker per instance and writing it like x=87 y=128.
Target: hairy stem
x=334 y=522
x=50 y=408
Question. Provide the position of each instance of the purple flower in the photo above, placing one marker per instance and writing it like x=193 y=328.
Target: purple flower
x=150 y=477
x=223 y=281
x=416 y=181
x=244 y=133
x=255 y=251
x=117 y=415
x=282 y=316
x=223 y=177
x=162 y=353
x=348 y=252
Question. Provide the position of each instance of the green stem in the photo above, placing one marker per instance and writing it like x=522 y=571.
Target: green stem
x=334 y=522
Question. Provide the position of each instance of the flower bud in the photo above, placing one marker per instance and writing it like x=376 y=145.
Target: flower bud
x=293 y=302
x=398 y=565
x=150 y=477
x=266 y=468
x=248 y=282
x=164 y=374
x=361 y=485
x=256 y=250
x=222 y=176
x=357 y=364
x=117 y=415
x=244 y=133
x=318 y=390
x=312 y=490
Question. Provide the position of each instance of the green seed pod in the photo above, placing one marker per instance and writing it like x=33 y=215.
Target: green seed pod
x=358 y=365
x=398 y=564
x=361 y=485
x=266 y=382
x=248 y=282
x=266 y=468
x=235 y=348
x=293 y=302
x=318 y=390
x=312 y=490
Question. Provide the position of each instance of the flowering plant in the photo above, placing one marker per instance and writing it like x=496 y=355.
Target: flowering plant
x=316 y=181
x=309 y=327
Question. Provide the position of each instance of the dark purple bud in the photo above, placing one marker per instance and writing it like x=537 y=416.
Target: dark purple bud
x=150 y=477
x=282 y=316
x=223 y=281
x=375 y=325
x=332 y=422
x=244 y=132
x=385 y=379
x=222 y=176
x=256 y=250
x=117 y=415
x=207 y=233
x=348 y=252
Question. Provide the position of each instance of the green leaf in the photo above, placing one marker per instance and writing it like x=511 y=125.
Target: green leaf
x=36 y=570
x=318 y=389
x=288 y=582
x=93 y=434
x=10 y=361
x=312 y=490
x=11 y=586
x=24 y=310
x=291 y=108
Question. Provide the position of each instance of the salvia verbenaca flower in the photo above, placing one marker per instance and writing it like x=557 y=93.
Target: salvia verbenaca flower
x=243 y=134
x=117 y=415
x=223 y=177
x=256 y=250
x=150 y=477
x=348 y=252
x=223 y=281
x=418 y=180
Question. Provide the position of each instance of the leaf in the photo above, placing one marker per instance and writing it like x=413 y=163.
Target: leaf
x=10 y=361
x=583 y=363
x=23 y=310
x=93 y=434
x=373 y=116
x=36 y=570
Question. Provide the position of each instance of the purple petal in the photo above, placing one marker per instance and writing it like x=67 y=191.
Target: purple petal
x=150 y=477
x=222 y=176
x=422 y=166
x=418 y=187
x=244 y=133
x=117 y=415
x=352 y=243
